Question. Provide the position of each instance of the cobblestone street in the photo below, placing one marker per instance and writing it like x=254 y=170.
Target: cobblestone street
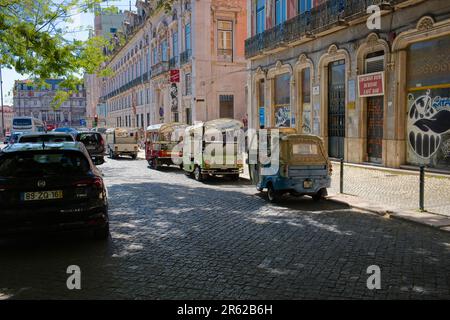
x=175 y=238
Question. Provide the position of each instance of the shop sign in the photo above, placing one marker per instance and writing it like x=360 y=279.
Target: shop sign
x=175 y=76
x=371 y=85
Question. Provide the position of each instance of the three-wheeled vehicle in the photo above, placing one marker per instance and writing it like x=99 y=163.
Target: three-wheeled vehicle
x=214 y=148
x=303 y=166
x=122 y=141
x=163 y=144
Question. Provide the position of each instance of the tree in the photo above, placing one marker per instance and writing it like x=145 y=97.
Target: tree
x=35 y=39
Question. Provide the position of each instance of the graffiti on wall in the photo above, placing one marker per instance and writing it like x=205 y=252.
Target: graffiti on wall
x=174 y=97
x=283 y=117
x=429 y=128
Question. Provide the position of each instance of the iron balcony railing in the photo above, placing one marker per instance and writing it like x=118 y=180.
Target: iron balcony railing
x=160 y=68
x=323 y=17
x=173 y=62
x=133 y=83
x=185 y=56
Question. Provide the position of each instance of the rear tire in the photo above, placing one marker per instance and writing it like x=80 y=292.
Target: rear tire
x=320 y=195
x=234 y=177
x=272 y=195
x=198 y=174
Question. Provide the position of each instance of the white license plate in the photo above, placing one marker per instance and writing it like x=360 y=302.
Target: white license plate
x=42 y=195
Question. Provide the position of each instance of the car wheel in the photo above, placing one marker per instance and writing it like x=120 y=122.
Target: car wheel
x=198 y=174
x=235 y=177
x=320 y=195
x=134 y=156
x=102 y=233
x=273 y=195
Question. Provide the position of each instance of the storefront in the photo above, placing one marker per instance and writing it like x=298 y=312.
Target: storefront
x=428 y=103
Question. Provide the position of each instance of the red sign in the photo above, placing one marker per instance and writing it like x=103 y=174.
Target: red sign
x=371 y=84
x=174 y=75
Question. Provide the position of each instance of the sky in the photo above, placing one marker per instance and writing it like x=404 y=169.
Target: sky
x=82 y=20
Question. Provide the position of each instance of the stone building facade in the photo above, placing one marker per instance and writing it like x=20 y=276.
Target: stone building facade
x=184 y=65
x=376 y=94
x=32 y=101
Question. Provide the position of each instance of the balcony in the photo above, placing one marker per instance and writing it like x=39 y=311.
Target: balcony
x=185 y=56
x=322 y=18
x=160 y=68
x=173 y=62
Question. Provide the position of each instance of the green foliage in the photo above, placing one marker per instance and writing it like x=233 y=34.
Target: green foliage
x=34 y=39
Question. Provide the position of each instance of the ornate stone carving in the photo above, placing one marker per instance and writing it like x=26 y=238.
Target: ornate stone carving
x=332 y=50
x=372 y=40
x=425 y=23
x=302 y=59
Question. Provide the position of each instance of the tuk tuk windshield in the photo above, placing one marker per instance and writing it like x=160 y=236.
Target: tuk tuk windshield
x=305 y=149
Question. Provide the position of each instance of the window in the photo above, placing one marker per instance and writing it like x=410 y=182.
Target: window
x=305 y=149
x=226 y=106
x=304 y=5
x=164 y=53
x=282 y=108
x=155 y=55
x=175 y=44
x=113 y=30
x=148 y=119
x=225 y=39
x=260 y=15
x=261 y=104
x=187 y=36
x=280 y=11
x=305 y=99
x=187 y=84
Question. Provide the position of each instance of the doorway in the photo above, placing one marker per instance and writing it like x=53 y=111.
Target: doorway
x=336 y=109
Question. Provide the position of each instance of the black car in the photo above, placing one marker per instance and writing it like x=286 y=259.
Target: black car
x=45 y=137
x=95 y=145
x=51 y=187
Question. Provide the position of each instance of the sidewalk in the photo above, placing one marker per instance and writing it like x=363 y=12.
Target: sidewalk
x=398 y=189
x=393 y=193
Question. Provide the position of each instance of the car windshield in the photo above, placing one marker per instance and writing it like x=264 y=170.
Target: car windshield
x=21 y=122
x=43 y=163
x=305 y=149
x=88 y=138
x=45 y=138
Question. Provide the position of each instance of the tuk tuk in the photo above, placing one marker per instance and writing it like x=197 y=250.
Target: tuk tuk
x=303 y=167
x=163 y=143
x=122 y=141
x=213 y=148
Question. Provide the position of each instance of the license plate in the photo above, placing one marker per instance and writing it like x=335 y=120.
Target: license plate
x=308 y=184
x=42 y=195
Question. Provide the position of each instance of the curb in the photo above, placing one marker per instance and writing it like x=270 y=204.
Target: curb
x=427 y=219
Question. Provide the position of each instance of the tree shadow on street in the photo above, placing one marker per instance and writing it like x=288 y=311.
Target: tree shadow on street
x=192 y=241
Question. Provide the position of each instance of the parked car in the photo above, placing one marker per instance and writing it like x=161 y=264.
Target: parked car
x=220 y=135
x=14 y=137
x=160 y=143
x=7 y=137
x=71 y=131
x=122 y=141
x=51 y=188
x=50 y=137
x=303 y=166
x=95 y=145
